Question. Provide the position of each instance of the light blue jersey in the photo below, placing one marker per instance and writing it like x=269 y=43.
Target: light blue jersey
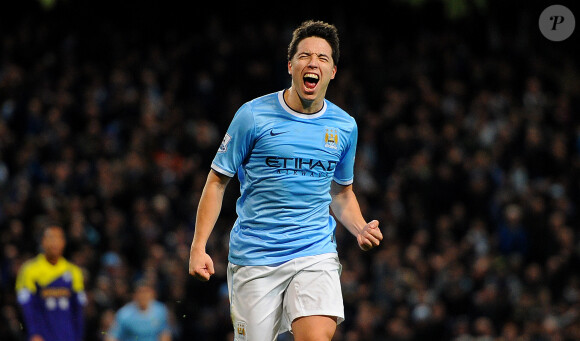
x=285 y=162
x=131 y=323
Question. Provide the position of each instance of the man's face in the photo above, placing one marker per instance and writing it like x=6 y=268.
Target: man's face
x=143 y=296
x=312 y=68
x=53 y=242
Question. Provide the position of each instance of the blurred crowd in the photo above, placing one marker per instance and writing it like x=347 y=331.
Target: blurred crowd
x=468 y=155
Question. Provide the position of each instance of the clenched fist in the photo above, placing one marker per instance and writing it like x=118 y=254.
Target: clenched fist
x=370 y=236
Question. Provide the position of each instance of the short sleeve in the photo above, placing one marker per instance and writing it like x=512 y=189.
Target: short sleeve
x=164 y=323
x=236 y=143
x=25 y=279
x=344 y=172
x=77 y=279
x=116 y=329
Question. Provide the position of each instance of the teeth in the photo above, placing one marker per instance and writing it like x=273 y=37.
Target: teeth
x=311 y=75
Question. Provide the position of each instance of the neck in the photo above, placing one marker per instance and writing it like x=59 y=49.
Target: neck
x=51 y=259
x=299 y=104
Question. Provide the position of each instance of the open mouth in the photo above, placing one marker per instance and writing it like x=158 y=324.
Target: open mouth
x=310 y=80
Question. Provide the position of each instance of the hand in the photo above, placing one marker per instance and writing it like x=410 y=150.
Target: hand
x=36 y=337
x=370 y=236
x=200 y=265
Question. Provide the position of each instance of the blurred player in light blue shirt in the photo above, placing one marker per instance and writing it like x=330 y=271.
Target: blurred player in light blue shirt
x=143 y=319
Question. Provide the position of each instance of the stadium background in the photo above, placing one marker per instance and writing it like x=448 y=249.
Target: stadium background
x=469 y=155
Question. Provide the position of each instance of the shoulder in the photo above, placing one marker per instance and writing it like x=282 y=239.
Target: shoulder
x=266 y=100
x=31 y=265
x=256 y=111
x=73 y=268
x=339 y=112
x=126 y=312
x=28 y=264
x=262 y=104
x=341 y=116
x=76 y=273
x=159 y=307
x=27 y=276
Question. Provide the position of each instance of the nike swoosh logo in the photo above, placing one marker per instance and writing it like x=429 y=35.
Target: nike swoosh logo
x=272 y=133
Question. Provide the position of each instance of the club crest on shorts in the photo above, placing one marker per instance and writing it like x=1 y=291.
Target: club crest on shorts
x=331 y=138
x=240 y=331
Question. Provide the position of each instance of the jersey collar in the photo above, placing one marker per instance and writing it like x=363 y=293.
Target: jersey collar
x=299 y=114
x=43 y=259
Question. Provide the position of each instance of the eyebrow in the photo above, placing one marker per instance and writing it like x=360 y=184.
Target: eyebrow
x=310 y=53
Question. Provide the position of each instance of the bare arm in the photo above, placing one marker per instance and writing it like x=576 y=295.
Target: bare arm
x=346 y=209
x=165 y=336
x=210 y=205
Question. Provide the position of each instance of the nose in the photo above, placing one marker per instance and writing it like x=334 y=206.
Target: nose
x=313 y=62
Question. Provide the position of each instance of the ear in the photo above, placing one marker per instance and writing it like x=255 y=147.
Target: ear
x=334 y=69
x=289 y=68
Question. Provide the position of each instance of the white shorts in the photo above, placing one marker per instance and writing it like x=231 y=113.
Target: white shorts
x=264 y=300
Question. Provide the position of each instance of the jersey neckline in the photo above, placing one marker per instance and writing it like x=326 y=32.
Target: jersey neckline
x=296 y=113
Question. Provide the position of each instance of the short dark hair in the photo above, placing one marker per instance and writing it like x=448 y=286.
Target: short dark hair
x=45 y=223
x=318 y=29
x=142 y=282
